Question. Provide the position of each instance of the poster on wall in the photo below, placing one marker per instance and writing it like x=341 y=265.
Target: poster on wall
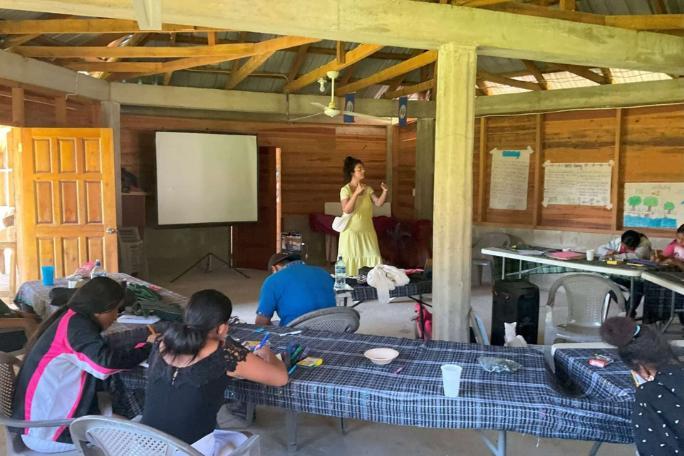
x=509 y=179
x=654 y=205
x=578 y=184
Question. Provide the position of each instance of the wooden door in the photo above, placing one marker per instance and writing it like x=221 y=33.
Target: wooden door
x=254 y=243
x=66 y=202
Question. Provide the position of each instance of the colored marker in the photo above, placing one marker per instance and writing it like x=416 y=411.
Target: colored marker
x=263 y=341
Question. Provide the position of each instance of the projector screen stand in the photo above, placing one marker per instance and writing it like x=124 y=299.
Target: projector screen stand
x=209 y=257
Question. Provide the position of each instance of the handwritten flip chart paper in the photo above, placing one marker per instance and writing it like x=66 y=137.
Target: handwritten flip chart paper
x=580 y=184
x=654 y=205
x=509 y=178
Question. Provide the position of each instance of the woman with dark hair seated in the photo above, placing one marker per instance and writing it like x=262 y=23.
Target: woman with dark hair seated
x=192 y=364
x=658 y=415
x=65 y=359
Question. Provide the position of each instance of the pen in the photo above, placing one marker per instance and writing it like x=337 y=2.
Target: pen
x=263 y=341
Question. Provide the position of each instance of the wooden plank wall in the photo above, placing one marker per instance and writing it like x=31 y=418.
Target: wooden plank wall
x=40 y=111
x=312 y=155
x=404 y=172
x=645 y=143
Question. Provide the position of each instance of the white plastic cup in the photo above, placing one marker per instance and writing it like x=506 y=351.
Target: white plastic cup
x=590 y=255
x=451 y=379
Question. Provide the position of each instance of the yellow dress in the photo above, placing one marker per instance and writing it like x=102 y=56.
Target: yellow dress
x=358 y=245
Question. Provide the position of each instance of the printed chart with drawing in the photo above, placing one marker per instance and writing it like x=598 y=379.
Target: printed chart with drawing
x=654 y=205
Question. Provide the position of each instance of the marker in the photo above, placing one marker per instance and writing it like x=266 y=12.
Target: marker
x=399 y=370
x=263 y=341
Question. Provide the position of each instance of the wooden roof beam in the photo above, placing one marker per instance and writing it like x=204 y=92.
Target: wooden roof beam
x=68 y=52
x=410 y=90
x=404 y=67
x=299 y=60
x=485 y=76
x=249 y=67
x=358 y=53
x=647 y=22
x=86 y=26
x=584 y=72
x=536 y=72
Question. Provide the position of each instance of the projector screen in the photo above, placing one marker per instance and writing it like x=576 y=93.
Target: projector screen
x=206 y=178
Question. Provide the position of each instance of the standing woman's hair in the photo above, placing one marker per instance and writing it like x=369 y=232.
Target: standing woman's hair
x=98 y=295
x=680 y=229
x=638 y=345
x=349 y=165
x=206 y=310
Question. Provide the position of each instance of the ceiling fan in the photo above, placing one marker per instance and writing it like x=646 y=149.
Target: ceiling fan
x=331 y=110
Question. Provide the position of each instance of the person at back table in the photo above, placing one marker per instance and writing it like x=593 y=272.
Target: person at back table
x=294 y=289
x=631 y=244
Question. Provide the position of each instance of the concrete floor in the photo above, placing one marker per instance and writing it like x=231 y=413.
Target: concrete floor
x=321 y=435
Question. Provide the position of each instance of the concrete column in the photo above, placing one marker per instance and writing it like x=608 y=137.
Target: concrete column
x=453 y=203
x=110 y=117
x=425 y=168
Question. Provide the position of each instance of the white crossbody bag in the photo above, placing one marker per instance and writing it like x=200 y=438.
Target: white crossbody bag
x=340 y=223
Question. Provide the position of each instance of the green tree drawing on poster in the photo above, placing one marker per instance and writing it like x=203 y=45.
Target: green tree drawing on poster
x=650 y=202
x=669 y=207
x=634 y=201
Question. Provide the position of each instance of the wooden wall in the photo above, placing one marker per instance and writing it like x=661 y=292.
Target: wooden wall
x=404 y=172
x=40 y=111
x=646 y=144
x=312 y=155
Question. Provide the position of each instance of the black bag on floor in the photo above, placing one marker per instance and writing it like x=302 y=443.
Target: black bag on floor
x=515 y=301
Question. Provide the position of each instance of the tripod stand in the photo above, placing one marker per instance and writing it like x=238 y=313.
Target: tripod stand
x=209 y=257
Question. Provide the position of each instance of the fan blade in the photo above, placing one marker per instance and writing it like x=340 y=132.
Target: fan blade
x=367 y=116
x=306 y=117
x=319 y=105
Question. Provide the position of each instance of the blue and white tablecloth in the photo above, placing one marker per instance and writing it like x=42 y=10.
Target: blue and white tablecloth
x=348 y=385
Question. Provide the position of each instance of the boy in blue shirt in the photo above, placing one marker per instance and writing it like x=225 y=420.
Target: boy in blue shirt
x=293 y=290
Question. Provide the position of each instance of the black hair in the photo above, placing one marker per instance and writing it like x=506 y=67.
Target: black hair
x=631 y=238
x=282 y=258
x=638 y=345
x=98 y=295
x=206 y=310
x=349 y=165
x=680 y=229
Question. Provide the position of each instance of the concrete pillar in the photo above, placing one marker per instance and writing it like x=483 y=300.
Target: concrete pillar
x=110 y=117
x=453 y=203
x=425 y=168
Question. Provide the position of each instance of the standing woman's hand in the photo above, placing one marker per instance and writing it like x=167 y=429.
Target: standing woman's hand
x=384 y=187
x=360 y=188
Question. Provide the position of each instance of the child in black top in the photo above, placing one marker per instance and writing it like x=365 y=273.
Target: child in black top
x=658 y=415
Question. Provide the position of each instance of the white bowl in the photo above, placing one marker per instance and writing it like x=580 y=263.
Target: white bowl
x=381 y=356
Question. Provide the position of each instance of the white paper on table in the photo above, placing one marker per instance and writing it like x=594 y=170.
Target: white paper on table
x=138 y=320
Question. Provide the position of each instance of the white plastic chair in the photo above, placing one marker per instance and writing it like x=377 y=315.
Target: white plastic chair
x=119 y=437
x=480 y=261
x=13 y=443
x=334 y=319
x=478 y=327
x=588 y=297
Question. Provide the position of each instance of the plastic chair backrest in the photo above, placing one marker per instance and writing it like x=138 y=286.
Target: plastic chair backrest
x=7 y=380
x=334 y=319
x=118 y=437
x=588 y=298
x=493 y=239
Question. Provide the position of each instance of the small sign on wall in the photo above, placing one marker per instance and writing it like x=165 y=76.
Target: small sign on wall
x=509 y=178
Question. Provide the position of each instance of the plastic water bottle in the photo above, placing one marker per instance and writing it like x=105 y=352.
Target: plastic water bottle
x=340 y=274
x=98 y=270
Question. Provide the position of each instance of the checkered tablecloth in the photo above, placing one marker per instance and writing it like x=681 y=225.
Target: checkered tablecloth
x=574 y=371
x=36 y=296
x=368 y=293
x=658 y=301
x=349 y=385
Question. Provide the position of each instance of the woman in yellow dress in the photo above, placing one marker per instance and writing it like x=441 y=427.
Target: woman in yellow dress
x=358 y=245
